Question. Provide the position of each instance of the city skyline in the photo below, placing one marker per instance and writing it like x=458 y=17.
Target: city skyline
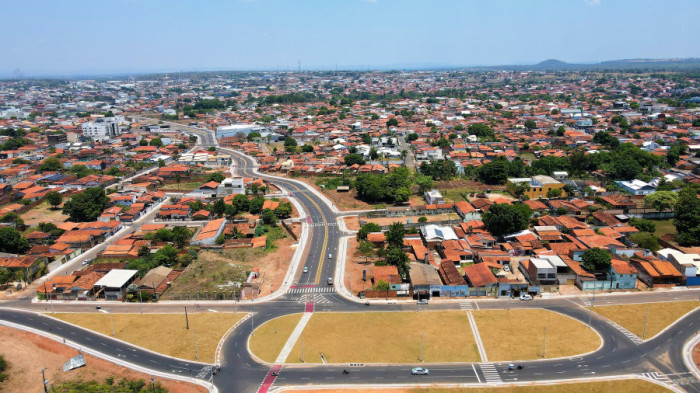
x=70 y=39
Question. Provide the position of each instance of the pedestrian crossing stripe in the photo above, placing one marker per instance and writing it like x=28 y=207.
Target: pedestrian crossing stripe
x=466 y=306
x=327 y=289
x=627 y=333
x=490 y=373
x=324 y=224
x=315 y=298
x=657 y=376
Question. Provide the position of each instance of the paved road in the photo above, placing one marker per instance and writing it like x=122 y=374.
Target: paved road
x=241 y=373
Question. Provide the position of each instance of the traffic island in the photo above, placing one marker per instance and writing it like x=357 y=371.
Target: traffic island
x=167 y=334
x=646 y=320
x=530 y=334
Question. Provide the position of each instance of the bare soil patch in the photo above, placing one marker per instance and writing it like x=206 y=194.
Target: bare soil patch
x=27 y=353
x=352 y=223
x=43 y=213
x=354 y=264
x=341 y=200
x=414 y=219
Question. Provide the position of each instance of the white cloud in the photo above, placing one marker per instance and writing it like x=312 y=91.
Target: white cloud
x=592 y=2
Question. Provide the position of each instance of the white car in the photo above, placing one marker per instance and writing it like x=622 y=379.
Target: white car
x=306 y=269
x=525 y=297
x=420 y=371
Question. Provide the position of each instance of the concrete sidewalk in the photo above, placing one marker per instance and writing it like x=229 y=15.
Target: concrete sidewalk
x=292 y=340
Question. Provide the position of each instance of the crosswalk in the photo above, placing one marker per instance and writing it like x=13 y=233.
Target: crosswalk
x=204 y=372
x=324 y=224
x=327 y=289
x=490 y=373
x=657 y=376
x=627 y=333
x=315 y=298
x=466 y=305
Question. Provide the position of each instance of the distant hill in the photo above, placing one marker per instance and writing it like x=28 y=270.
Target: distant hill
x=625 y=64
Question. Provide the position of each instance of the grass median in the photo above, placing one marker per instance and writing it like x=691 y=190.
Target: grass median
x=519 y=334
x=162 y=333
x=659 y=316
x=387 y=337
x=270 y=337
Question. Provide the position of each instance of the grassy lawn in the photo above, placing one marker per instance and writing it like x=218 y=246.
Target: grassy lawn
x=631 y=316
x=664 y=227
x=385 y=337
x=271 y=336
x=184 y=186
x=624 y=386
x=163 y=333
x=519 y=334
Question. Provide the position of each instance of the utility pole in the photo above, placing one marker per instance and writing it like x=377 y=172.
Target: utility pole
x=590 y=312
x=544 y=342
x=187 y=320
x=302 y=348
x=646 y=317
x=421 y=347
x=43 y=380
x=111 y=319
x=196 y=351
x=153 y=384
x=140 y=301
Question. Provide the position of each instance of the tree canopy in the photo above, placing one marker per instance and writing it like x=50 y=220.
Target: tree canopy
x=439 y=169
x=502 y=219
x=687 y=218
x=11 y=241
x=596 y=260
x=87 y=205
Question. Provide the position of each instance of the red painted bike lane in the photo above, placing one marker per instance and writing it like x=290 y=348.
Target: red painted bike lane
x=270 y=378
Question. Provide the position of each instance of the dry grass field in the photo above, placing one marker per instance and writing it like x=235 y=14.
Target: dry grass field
x=43 y=212
x=631 y=316
x=519 y=334
x=271 y=336
x=163 y=333
x=385 y=337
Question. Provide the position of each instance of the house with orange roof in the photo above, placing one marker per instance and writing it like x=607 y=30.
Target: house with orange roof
x=208 y=234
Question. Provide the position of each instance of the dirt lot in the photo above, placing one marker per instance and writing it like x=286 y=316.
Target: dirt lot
x=43 y=213
x=626 y=386
x=28 y=353
x=342 y=200
x=354 y=264
x=431 y=218
x=217 y=271
x=352 y=223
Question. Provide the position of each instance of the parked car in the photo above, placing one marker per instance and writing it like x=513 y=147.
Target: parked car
x=422 y=301
x=525 y=297
x=420 y=371
x=306 y=269
x=330 y=280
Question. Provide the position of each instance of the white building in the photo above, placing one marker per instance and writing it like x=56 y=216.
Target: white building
x=101 y=129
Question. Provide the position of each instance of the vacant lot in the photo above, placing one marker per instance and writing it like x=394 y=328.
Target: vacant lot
x=631 y=316
x=385 y=337
x=163 y=333
x=43 y=212
x=219 y=271
x=27 y=353
x=664 y=227
x=342 y=200
x=352 y=223
x=414 y=219
x=632 y=385
x=519 y=334
x=270 y=337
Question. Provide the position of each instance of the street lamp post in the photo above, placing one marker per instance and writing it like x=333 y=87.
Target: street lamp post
x=111 y=319
x=196 y=351
x=43 y=380
x=421 y=347
x=153 y=384
x=646 y=317
x=544 y=343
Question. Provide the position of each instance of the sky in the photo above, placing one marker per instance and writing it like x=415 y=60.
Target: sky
x=99 y=37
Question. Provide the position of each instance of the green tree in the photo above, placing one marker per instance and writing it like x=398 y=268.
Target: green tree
x=219 y=207
x=180 y=236
x=307 y=148
x=687 y=218
x=424 y=183
x=216 y=176
x=284 y=210
x=480 y=130
x=366 y=249
x=392 y=122
x=167 y=255
x=352 y=159
x=554 y=193
x=369 y=227
x=50 y=164
x=530 y=124
x=422 y=219
x=240 y=203
x=396 y=257
x=596 y=260
x=643 y=225
x=411 y=137
x=54 y=198
x=381 y=285
x=87 y=205
x=256 y=204
x=251 y=137
x=646 y=240
x=11 y=241
x=156 y=142
x=502 y=219
x=394 y=235
x=661 y=200
x=269 y=217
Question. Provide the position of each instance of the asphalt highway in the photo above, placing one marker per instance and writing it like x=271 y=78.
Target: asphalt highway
x=619 y=355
